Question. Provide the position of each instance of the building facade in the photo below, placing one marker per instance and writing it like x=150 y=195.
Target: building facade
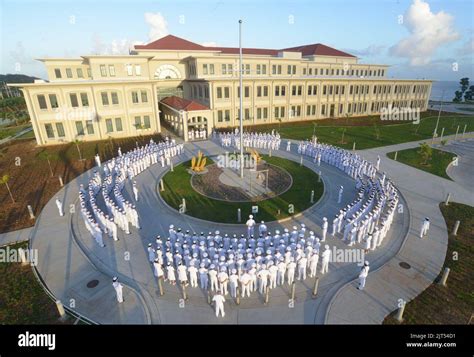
x=187 y=87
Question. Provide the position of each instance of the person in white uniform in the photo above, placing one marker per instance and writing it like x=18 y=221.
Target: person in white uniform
x=219 y=300
x=425 y=226
x=326 y=256
x=363 y=275
x=59 y=204
x=118 y=289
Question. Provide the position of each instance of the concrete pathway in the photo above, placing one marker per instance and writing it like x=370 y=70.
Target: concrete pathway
x=69 y=258
x=391 y=283
x=20 y=235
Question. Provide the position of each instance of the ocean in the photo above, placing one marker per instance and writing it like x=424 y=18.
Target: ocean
x=449 y=87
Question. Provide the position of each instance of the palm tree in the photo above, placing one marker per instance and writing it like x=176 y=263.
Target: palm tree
x=425 y=152
x=45 y=155
x=77 y=142
x=4 y=180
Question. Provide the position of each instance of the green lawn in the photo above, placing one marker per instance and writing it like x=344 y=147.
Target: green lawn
x=369 y=132
x=12 y=130
x=453 y=304
x=178 y=186
x=436 y=165
x=22 y=298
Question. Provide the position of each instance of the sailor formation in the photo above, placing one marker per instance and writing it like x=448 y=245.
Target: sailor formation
x=120 y=213
x=270 y=141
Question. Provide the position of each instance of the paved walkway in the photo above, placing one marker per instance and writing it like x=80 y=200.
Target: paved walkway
x=67 y=262
x=20 y=235
x=423 y=193
x=69 y=259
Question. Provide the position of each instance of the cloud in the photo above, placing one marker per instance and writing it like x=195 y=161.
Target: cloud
x=116 y=47
x=209 y=44
x=428 y=32
x=158 y=25
x=19 y=55
x=467 y=48
x=372 y=50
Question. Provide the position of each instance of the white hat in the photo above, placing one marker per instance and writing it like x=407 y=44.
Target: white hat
x=250 y=216
x=326 y=246
x=366 y=263
x=114 y=278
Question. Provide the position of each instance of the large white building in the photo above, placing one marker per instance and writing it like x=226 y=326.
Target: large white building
x=189 y=86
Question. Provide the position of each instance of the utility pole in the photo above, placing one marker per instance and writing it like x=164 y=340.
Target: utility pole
x=439 y=114
x=241 y=104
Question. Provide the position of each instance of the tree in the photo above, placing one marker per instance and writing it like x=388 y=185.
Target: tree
x=45 y=155
x=457 y=96
x=469 y=94
x=426 y=152
x=4 y=180
x=77 y=142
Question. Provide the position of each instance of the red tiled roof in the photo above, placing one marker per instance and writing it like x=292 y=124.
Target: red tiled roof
x=171 y=42
x=183 y=104
x=318 y=49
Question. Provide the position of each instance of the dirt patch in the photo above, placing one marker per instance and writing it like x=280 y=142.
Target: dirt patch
x=279 y=181
x=31 y=181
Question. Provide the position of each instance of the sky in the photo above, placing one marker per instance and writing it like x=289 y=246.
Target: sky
x=432 y=39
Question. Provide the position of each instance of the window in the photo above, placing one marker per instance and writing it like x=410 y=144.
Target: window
x=300 y=90
x=105 y=98
x=144 y=96
x=68 y=72
x=283 y=89
x=259 y=91
x=224 y=69
x=247 y=114
x=265 y=113
x=146 y=122
x=60 y=130
x=227 y=115
x=274 y=69
x=211 y=69
x=114 y=96
x=42 y=102
x=259 y=113
x=247 y=69
x=206 y=92
x=118 y=124
x=112 y=70
x=226 y=92
x=324 y=90
x=293 y=90
x=109 y=125
x=277 y=91
x=204 y=69
x=134 y=97
x=229 y=69
x=79 y=73
x=57 y=73
x=79 y=128
x=49 y=131
x=84 y=100
x=289 y=71
x=310 y=71
x=200 y=91
x=53 y=100
x=264 y=69
x=220 y=117
x=323 y=109
x=138 y=70
x=89 y=73
x=138 y=122
x=246 y=91
x=304 y=71
x=89 y=127
x=219 y=93
x=129 y=69
x=265 y=91
x=103 y=70
x=74 y=101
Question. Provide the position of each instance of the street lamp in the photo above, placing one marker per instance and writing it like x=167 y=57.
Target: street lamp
x=241 y=104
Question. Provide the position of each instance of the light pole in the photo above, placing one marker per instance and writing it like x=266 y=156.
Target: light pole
x=435 y=133
x=241 y=104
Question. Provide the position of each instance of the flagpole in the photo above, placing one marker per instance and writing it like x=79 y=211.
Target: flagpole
x=241 y=104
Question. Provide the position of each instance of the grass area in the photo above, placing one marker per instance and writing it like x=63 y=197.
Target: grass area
x=436 y=165
x=28 y=135
x=369 y=132
x=453 y=304
x=32 y=182
x=22 y=298
x=12 y=130
x=178 y=186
